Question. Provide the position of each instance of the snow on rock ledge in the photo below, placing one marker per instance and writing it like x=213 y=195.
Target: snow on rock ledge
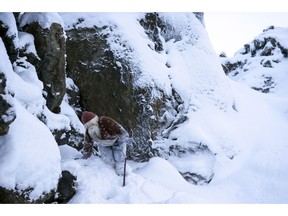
x=44 y=19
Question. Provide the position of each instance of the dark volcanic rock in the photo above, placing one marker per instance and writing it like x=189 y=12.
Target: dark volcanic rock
x=66 y=187
x=9 y=196
x=8 y=36
x=70 y=137
x=7 y=113
x=7 y=116
x=153 y=26
x=50 y=46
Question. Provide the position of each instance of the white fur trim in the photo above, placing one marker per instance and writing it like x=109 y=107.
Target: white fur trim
x=93 y=121
x=93 y=127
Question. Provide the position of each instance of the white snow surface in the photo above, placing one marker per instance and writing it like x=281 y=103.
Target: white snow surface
x=29 y=155
x=10 y=23
x=45 y=20
x=257 y=174
x=26 y=42
x=245 y=130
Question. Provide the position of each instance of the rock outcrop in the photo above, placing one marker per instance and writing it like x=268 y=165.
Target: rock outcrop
x=267 y=51
x=65 y=190
x=50 y=46
x=110 y=80
x=7 y=113
x=8 y=35
x=21 y=101
x=49 y=60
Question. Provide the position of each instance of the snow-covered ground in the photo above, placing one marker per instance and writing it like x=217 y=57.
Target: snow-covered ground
x=257 y=174
x=245 y=130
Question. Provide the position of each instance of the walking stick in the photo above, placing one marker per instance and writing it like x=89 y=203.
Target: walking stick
x=124 y=176
x=129 y=141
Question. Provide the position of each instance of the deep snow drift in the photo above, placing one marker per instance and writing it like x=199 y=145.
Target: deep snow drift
x=245 y=130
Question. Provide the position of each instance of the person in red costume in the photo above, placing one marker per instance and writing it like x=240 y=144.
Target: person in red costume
x=110 y=137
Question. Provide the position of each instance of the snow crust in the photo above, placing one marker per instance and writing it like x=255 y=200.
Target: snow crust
x=45 y=20
x=10 y=23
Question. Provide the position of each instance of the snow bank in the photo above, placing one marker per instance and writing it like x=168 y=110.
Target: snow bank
x=10 y=23
x=98 y=183
x=26 y=42
x=29 y=155
x=163 y=173
x=45 y=20
x=22 y=82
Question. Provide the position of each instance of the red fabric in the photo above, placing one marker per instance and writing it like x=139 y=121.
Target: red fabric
x=87 y=116
x=109 y=128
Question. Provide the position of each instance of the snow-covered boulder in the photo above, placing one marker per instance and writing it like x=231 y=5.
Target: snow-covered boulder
x=9 y=35
x=49 y=40
x=8 y=39
x=29 y=156
x=30 y=160
x=44 y=48
x=7 y=112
